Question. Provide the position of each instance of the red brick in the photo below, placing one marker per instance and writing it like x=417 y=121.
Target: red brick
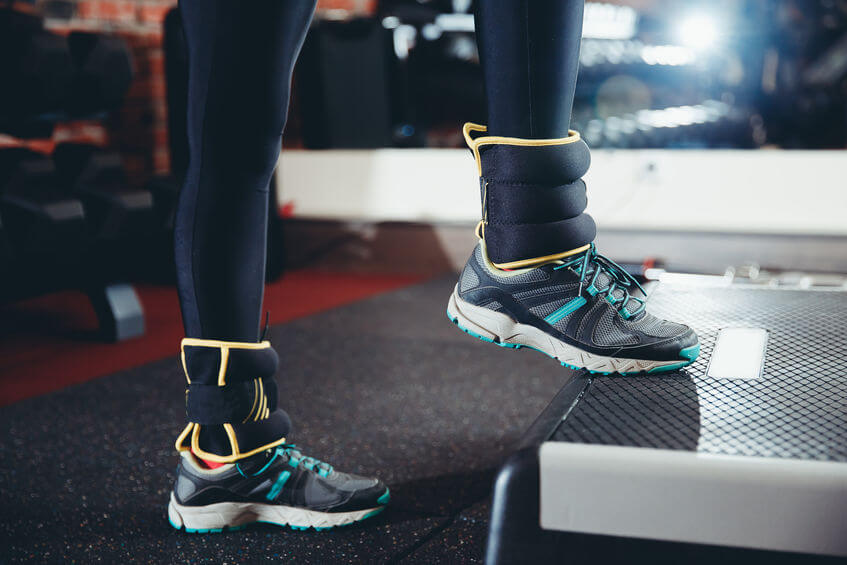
x=88 y=9
x=117 y=10
x=349 y=5
x=153 y=13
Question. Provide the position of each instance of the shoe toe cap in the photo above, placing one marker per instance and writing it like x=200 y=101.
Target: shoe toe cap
x=372 y=497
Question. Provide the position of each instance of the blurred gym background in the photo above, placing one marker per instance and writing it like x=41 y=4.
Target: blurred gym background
x=717 y=130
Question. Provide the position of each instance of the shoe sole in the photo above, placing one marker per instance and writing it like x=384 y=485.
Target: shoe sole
x=234 y=516
x=500 y=329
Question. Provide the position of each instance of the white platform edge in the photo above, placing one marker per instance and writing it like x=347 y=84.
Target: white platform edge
x=741 y=191
x=753 y=502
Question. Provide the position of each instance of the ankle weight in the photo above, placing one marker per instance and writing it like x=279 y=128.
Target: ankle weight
x=533 y=197
x=231 y=399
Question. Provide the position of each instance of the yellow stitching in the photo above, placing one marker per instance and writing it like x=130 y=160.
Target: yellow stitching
x=468 y=128
x=476 y=143
x=184 y=364
x=261 y=402
x=255 y=398
x=224 y=346
x=539 y=260
x=232 y=458
x=181 y=438
x=193 y=341
x=224 y=363
x=485 y=202
x=195 y=447
x=233 y=440
x=267 y=413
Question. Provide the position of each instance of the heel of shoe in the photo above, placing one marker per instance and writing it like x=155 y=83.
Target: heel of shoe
x=481 y=323
x=211 y=519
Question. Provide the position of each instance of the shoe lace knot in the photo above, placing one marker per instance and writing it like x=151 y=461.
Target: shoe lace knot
x=590 y=264
x=297 y=459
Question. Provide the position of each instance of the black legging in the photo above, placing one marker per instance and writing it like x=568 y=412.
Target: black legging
x=241 y=56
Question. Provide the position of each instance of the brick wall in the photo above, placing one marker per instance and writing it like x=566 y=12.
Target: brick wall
x=139 y=129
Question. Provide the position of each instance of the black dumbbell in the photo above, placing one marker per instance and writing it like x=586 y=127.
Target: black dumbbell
x=39 y=217
x=102 y=73
x=97 y=177
x=35 y=65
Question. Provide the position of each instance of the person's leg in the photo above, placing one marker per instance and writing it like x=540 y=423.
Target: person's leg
x=529 y=51
x=535 y=279
x=241 y=56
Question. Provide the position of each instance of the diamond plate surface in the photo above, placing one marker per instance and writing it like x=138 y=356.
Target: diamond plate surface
x=797 y=409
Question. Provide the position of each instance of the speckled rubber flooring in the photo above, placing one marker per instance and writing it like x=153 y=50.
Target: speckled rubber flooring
x=386 y=386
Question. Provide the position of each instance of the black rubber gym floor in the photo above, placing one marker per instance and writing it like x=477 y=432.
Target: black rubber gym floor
x=386 y=386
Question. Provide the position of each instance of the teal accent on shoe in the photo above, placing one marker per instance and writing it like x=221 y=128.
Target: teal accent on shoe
x=568 y=308
x=204 y=530
x=482 y=337
x=592 y=290
x=690 y=353
x=663 y=369
x=669 y=368
x=268 y=464
x=384 y=498
x=173 y=525
x=278 y=484
x=292 y=462
x=372 y=513
x=323 y=529
x=260 y=471
x=625 y=313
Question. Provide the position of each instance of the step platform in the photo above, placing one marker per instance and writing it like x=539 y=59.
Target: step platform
x=740 y=457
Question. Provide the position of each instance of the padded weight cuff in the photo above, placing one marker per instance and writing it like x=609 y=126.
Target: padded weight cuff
x=533 y=199
x=231 y=399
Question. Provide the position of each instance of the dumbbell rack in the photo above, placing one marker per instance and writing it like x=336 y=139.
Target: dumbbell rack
x=66 y=218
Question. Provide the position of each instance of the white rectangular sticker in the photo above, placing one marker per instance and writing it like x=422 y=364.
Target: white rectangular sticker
x=739 y=353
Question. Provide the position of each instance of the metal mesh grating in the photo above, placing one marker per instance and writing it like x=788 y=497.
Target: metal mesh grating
x=798 y=409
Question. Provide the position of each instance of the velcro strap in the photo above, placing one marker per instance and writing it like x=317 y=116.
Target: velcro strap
x=236 y=402
x=228 y=363
x=252 y=435
x=227 y=443
x=523 y=203
x=508 y=243
x=546 y=165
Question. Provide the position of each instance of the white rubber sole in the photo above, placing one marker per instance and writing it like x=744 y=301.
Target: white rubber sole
x=214 y=518
x=502 y=330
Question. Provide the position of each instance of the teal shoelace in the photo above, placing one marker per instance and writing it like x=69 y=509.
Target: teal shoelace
x=296 y=459
x=593 y=262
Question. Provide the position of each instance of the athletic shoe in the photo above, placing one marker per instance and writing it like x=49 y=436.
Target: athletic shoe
x=585 y=311
x=279 y=486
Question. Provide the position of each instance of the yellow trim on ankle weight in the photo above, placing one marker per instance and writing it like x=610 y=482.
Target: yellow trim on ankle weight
x=536 y=261
x=532 y=262
x=181 y=438
x=224 y=347
x=194 y=429
x=476 y=143
x=255 y=400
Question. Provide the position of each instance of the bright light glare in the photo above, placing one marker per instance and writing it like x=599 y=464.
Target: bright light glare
x=699 y=31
